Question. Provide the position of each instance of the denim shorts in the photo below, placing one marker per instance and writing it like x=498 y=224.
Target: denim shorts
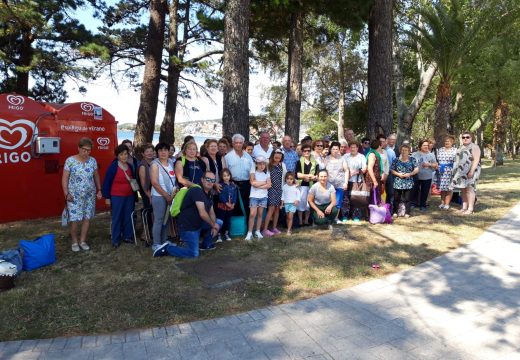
x=290 y=208
x=256 y=202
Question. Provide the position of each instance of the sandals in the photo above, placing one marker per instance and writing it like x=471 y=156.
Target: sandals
x=84 y=246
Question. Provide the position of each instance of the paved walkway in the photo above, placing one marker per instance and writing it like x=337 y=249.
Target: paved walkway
x=463 y=305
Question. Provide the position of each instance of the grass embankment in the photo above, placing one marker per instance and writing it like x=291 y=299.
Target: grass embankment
x=106 y=290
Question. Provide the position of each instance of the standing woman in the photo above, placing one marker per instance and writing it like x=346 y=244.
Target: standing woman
x=223 y=147
x=189 y=168
x=357 y=166
x=426 y=163
x=214 y=162
x=322 y=200
x=317 y=153
x=119 y=195
x=446 y=158
x=307 y=172
x=404 y=169
x=375 y=170
x=338 y=172
x=162 y=177
x=277 y=171
x=466 y=172
x=79 y=182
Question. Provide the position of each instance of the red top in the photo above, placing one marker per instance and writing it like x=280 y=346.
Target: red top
x=120 y=185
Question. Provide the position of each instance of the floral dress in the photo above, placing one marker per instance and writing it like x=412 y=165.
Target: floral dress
x=405 y=167
x=462 y=166
x=82 y=188
x=274 y=193
x=446 y=158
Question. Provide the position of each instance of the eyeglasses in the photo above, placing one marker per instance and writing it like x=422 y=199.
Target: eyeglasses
x=210 y=180
x=319 y=145
x=306 y=151
x=86 y=149
x=466 y=137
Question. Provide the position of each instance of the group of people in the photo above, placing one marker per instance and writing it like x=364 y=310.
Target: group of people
x=315 y=182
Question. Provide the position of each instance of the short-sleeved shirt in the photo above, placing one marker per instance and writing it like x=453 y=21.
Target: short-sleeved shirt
x=259 y=151
x=404 y=167
x=356 y=163
x=290 y=158
x=240 y=166
x=336 y=170
x=256 y=192
x=189 y=218
x=425 y=173
x=322 y=197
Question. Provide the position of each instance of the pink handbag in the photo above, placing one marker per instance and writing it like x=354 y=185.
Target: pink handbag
x=379 y=214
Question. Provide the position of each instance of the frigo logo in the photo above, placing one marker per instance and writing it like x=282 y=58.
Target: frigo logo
x=103 y=143
x=15 y=102
x=15 y=139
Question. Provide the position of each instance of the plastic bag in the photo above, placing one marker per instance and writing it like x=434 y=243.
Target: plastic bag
x=39 y=252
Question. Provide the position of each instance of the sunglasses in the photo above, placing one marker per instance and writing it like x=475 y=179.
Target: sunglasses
x=466 y=137
x=210 y=180
x=319 y=145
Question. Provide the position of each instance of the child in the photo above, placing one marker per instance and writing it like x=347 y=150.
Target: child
x=277 y=170
x=226 y=203
x=260 y=182
x=290 y=199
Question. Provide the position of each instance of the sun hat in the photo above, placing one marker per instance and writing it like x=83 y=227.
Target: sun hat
x=260 y=159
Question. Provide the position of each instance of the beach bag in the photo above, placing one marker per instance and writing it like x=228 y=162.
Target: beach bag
x=401 y=211
x=179 y=199
x=238 y=224
x=435 y=190
x=65 y=216
x=13 y=256
x=379 y=214
x=38 y=252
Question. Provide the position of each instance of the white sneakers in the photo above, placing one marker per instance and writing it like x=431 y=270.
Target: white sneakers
x=444 y=207
x=258 y=235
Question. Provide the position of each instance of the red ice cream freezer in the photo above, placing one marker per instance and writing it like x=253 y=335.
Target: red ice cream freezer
x=35 y=140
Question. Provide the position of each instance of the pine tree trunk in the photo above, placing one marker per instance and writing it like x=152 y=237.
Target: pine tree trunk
x=235 y=116
x=152 y=73
x=501 y=113
x=24 y=61
x=167 y=133
x=294 y=76
x=442 y=111
x=380 y=115
x=342 y=92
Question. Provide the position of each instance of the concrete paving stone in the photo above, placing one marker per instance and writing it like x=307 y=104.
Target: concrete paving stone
x=160 y=349
x=275 y=310
x=73 y=343
x=89 y=342
x=10 y=346
x=369 y=286
x=58 y=344
x=388 y=352
x=184 y=341
x=212 y=324
x=108 y=352
x=118 y=338
x=28 y=345
x=146 y=334
x=198 y=326
x=132 y=336
x=245 y=318
x=134 y=350
x=232 y=320
x=217 y=350
x=102 y=340
x=22 y=355
x=344 y=328
x=43 y=345
x=275 y=352
x=76 y=354
x=185 y=328
x=172 y=330
x=159 y=332
x=221 y=322
x=198 y=353
x=238 y=346
x=256 y=315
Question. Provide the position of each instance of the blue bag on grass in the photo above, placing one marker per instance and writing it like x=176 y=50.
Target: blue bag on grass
x=38 y=252
x=14 y=257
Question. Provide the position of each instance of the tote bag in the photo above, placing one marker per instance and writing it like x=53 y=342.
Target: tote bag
x=237 y=226
x=379 y=214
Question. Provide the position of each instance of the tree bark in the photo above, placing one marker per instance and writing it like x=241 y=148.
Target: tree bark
x=24 y=61
x=501 y=113
x=175 y=58
x=235 y=115
x=380 y=117
x=342 y=90
x=152 y=73
x=294 y=76
x=442 y=110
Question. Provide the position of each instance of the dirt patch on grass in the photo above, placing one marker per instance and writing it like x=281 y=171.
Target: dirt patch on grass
x=107 y=290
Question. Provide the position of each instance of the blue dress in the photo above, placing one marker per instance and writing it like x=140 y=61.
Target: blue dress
x=82 y=188
x=404 y=167
x=274 y=193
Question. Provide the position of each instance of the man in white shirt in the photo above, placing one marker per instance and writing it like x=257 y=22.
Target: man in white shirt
x=264 y=148
x=240 y=164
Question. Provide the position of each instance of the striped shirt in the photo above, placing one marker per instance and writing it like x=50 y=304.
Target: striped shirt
x=240 y=166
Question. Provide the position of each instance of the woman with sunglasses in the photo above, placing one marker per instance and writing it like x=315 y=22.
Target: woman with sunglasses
x=317 y=153
x=307 y=173
x=466 y=172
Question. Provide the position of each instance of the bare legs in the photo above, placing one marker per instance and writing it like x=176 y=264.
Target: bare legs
x=273 y=213
x=83 y=234
x=303 y=216
x=289 y=222
x=468 y=200
x=254 y=212
x=446 y=197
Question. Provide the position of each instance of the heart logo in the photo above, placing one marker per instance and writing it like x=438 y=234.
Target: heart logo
x=88 y=107
x=15 y=100
x=103 y=141
x=16 y=133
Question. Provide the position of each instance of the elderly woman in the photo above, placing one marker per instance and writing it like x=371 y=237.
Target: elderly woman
x=214 y=161
x=375 y=168
x=162 y=178
x=79 y=182
x=427 y=163
x=317 y=153
x=337 y=167
x=357 y=165
x=466 y=172
x=189 y=168
x=119 y=195
x=446 y=159
x=404 y=169
x=322 y=200
x=306 y=171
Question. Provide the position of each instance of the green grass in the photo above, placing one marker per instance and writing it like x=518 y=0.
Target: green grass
x=108 y=290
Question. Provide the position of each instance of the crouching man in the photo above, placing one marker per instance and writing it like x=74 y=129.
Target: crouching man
x=196 y=218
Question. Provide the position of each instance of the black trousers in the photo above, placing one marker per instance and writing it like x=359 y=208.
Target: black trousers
x=421 y=191
x=244 y=187
x=389 y=189
x=402 y=196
